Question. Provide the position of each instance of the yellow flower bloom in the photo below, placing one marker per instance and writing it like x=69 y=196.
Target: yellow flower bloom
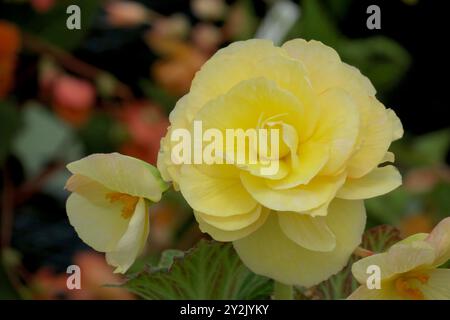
x=300 y=225
x=108 y=206
x=408 y=270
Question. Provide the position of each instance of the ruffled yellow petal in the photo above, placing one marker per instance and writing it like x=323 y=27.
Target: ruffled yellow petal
x=325 y=68
x=439 y=239
x=234 y=64
x=133 y=240
x=268 y=251
x=231 y=235
x=122 y=174
x=234 y=222
x=214 y=196
x=374 y=139
x=338 y=127
x=309 y=232
x=290 y=75
x=304 y=167
x=397 y=127
x=379 y=181
x=249 y=102
x=305 y=197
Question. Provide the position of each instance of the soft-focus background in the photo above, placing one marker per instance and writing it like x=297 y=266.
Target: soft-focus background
x=111 y=85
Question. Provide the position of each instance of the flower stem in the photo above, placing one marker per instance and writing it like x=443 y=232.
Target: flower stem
x=282 y=291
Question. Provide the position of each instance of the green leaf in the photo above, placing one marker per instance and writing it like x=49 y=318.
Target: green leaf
x=9 y=125
x=158 y=95
x=168 y=257
x=342 y=284
x=210 y=270
x=425 y=150
x=391 y=207
x=315 y=23
x=433 y=146
x=379 y=58
x=52 y=25
x=44 y=139
x=102 y=133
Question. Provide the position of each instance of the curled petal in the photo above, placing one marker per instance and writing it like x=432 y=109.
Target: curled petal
x=212 y=195
x=302 y=198
x=309 y=232
x=133 y=240
x=231 y=235
x=439 y=239
x=378 y=182
x=121 y=174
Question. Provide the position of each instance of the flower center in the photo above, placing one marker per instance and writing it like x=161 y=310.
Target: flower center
x=274 y=122
x=129 y=202
x=405 y=285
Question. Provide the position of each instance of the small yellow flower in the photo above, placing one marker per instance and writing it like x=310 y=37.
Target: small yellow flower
x=409 y=269
x=300 y=225
x=108 y=206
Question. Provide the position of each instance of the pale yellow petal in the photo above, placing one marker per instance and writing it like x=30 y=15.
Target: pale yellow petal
x=234 y=222
x=378 y=182
x=338 y=127
x=309 y=232
x=397 y=127
x=224 y=235
x=122 y=174
x=249 y=102
x=304 y=197
x=214 y=196
x=388 y=157
x=374 y=139
x=132 y=242
x=386 y=292
x=234 y=64
x=439 y=239
x=98 y=222
x=269 y=252
x=438 y=285
x=325 y=68
x=400 y=258
x=290 y=75
x=304 y=167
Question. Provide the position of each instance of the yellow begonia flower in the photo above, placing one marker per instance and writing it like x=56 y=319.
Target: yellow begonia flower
x=301 y=225
x=108 y=206
x=408 y=270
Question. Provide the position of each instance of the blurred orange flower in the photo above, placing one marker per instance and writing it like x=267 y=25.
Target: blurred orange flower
x=73 y=99
x=95 y=274
x=126 y=13
x=178 y=67
x=146 y=124
x=10 y=45
x=419 y=223
x=424 y=179
x=42 y=6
